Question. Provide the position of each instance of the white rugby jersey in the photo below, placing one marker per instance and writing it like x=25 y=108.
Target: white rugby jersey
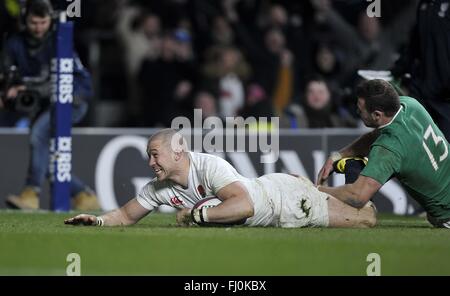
x=207 y=175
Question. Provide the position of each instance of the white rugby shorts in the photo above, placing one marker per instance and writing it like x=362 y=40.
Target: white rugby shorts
x=299 y=201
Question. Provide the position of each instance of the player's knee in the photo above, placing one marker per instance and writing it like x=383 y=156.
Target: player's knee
x=368 y=216
x=371 y=221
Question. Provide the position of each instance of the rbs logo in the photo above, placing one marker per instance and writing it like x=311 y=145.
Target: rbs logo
x=63 y=159
x=66 y=81
x=63 y=91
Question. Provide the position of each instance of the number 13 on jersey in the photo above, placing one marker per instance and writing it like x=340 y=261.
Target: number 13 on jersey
x=437 y=140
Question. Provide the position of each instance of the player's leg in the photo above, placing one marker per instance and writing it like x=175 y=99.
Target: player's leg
x=305 y=206
x=343 y=215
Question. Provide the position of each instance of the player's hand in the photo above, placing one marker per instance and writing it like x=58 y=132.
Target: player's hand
x=184 y=217
x=325 y=172
x=82 y=219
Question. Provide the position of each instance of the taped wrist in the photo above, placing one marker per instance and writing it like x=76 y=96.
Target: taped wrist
x=100 y=221
x=199 y=216
x=335 y=156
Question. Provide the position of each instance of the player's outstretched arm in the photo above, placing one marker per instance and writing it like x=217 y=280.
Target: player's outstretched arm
x=129 y=214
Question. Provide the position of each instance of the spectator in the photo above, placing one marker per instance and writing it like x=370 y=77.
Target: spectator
x=221 y=33
x=167 y=83
x=427 y=62
x=319 y=107
x=225 y=76
x=257 y=103
x=370 y=46
x=139 y=34
x=207 y=103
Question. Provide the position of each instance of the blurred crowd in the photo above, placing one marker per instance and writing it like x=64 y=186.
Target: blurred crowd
x=297 y=60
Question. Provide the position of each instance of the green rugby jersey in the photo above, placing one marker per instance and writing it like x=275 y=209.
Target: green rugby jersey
x=413 y=149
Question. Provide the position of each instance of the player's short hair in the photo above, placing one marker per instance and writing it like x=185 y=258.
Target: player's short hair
x=40 y=8
x=172 y=138
x=379 y=95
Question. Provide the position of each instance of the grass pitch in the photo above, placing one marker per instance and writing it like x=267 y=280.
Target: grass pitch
x=38 y=244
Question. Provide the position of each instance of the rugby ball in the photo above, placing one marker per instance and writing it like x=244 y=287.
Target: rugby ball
x=208 y=202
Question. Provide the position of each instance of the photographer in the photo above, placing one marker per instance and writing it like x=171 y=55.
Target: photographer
x=29 y=53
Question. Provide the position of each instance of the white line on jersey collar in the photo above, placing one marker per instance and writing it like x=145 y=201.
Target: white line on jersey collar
x=396 y=114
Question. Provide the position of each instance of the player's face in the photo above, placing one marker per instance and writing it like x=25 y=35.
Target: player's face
x=38 y=26
x=366 y=117
x=160 y=159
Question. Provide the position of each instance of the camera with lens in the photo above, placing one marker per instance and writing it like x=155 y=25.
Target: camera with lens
x=28 y=101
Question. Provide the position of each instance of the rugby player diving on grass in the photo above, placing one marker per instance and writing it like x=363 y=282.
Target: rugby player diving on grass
x=405 y=144
x=184 y=178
